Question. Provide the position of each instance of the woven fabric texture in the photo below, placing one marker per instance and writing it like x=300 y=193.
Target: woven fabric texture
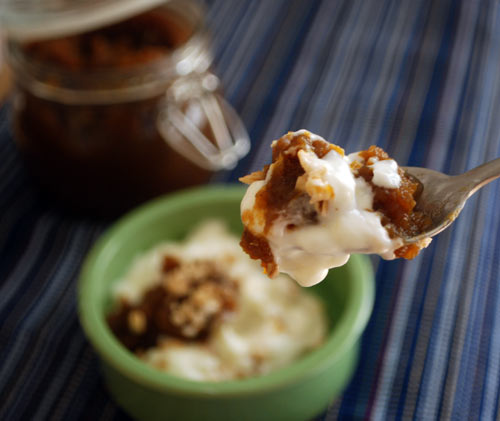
x=419 y=78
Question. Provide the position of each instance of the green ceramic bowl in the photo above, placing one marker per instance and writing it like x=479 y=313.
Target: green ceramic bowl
x=297 y=392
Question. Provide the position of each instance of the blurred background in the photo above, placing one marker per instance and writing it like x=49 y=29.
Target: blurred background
x=418 y=78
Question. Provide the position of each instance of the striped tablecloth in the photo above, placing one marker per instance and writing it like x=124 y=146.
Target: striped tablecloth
x=421 y=78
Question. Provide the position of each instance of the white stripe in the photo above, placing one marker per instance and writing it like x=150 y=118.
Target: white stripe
x=52 y=325
x=460 y=266
x=349 y=79
x=34 y=247
x=66 y=382
x=367 y=120
x=409 y=281
x=314 y=45
x=420 y=84
x=428 y=323
x=492 y=381
x=268 y=74
x=273 y=131
x=58 y=382
x=243 y=46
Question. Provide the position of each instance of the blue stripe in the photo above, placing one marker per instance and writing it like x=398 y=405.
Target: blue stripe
x=491 y=304
x=453 y=147
x=427 y=120
x=271 y=98
x=405 y=65
x=388 y=278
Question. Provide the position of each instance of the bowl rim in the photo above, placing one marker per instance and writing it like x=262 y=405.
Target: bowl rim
x=348 y=328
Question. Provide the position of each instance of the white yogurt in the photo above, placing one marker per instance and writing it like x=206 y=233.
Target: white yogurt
x=385 y=174
x=275 y=322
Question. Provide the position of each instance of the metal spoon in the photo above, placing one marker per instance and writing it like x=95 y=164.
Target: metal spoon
x=443 y=196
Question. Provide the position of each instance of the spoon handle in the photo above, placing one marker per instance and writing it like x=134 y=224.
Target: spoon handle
x=480 y=176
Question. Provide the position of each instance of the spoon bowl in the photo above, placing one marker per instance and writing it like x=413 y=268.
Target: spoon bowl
x=443 y=196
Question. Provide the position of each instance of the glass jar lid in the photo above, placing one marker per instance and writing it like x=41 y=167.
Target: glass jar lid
x=26 y=20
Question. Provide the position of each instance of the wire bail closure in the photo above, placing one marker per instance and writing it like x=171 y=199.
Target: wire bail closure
x=201 y=125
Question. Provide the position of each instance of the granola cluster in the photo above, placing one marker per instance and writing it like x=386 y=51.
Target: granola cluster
x=190 y=299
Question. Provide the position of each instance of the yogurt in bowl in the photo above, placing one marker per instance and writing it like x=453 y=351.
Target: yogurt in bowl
x=202 y=310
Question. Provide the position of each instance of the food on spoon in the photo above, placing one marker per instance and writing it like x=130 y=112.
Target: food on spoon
x=202 y=310
x=313 y=206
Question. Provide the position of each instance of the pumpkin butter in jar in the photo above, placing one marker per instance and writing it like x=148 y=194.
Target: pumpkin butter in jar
x=110 y=117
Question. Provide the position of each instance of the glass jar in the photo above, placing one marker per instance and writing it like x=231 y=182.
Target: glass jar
x=4 y=73
x=110 y=118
